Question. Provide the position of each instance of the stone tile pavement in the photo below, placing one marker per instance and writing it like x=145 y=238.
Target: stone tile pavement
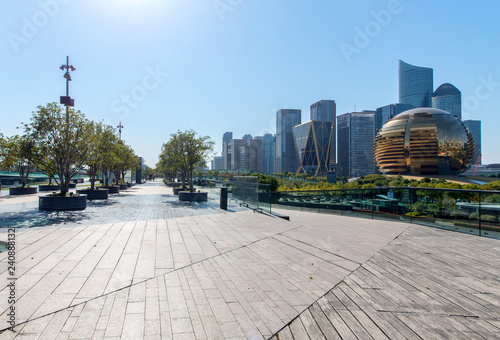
x=143 y=266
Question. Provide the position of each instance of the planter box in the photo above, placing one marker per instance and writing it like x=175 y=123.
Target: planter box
x=99 y=194
x=129 y=185
x=112 y=189
x=62 y=203
x=193 y=196
x=176 y=190
x=123 y=186
x=49 y=188
x=23 y=191
x=71 y=185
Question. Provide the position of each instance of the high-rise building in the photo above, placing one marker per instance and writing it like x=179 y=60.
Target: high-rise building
x=232 y=157
x=474 y=127
x=384 y=113
x=217 y=163
x=415 y=85
x=286 y=158
x=313 y=141
x=244 y=154
x=356 y=134
x=247 y=136
x=268 y=141
x=225 y=139
x=448 y=98
x=327 y=110
x=250 y=155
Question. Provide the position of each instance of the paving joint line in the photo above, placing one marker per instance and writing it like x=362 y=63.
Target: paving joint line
x=146 y=280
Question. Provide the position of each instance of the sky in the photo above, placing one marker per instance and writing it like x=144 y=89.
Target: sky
x=159 y=66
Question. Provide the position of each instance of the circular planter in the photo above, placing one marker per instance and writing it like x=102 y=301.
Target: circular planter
x=193 y=196
x=62 y=203
x=113 y=189
x=176 y=190
x=97 y=194
x=129 y=185
x=22 y=191
x=123 y=186
x=49 y=187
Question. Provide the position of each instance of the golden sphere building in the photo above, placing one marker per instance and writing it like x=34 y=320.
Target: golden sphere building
x=423 y=141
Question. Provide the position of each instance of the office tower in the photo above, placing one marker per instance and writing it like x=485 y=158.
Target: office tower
x=250 y=155
x=286 y=158
x=244 y=154
x=474 y=127
x=355 y=134
x=415 y=85
x=247 y=136
x=225 y=139
x=384 y=113
x=217 y=163
x=313 y=141
x=233 y=154
x=448 y=98
x=327 y=110
x=268 y=141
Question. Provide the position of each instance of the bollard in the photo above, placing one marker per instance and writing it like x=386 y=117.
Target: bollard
x=223 y=198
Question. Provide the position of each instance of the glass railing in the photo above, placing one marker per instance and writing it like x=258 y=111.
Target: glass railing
x=473 y=212
x=244 y=191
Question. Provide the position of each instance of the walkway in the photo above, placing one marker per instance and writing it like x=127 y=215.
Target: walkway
x=143 y=266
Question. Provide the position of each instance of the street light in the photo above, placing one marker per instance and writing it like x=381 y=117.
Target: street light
x=66 y=100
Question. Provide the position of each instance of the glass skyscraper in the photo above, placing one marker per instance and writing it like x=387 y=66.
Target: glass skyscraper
x=474 y=127
x=448 y=98
x=268 y=141
x=415 y=85
x=327 y=110
x=356 y=134
x=226 y=138
x=286 y=158
x=313 y=141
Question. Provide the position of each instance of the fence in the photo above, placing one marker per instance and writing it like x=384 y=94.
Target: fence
x=244 y=190
x=473 y=212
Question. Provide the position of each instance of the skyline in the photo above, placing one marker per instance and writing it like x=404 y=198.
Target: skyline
x=218 y=66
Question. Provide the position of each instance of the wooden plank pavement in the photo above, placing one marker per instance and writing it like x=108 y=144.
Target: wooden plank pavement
x=234 y=275
x=426 y=284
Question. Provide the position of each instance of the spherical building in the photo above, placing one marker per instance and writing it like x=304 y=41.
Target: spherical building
x=423 y=141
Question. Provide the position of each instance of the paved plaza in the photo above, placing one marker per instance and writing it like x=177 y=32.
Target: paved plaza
x=144 y=266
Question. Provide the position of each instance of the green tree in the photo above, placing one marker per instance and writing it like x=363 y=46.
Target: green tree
x=62 y=138
x=109 y=140
x=97 y=151
x=184 y=153
x=125 y=160
x=20 y=154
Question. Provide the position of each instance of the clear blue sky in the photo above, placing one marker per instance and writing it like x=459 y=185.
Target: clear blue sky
x=228 y=65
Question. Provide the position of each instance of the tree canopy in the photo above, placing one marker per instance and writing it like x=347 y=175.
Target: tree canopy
x=183 y=153
x=62 y=137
